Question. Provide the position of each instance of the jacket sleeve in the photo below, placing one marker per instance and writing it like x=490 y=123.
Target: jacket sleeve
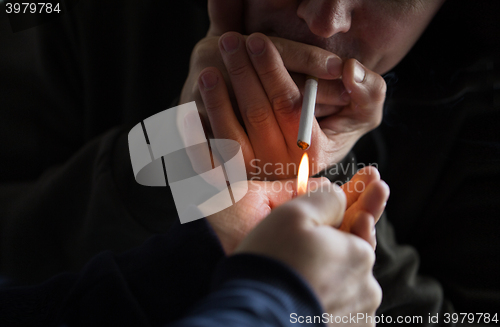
x=251 y=290
x=156 y=284
x=89 y=204
x=150 y=284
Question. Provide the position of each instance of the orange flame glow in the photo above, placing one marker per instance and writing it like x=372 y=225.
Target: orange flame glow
x=303 y=175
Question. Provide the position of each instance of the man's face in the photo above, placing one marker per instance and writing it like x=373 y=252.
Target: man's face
x=378 y=33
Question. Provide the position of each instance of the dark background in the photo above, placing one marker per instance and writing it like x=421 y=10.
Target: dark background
x=114 y=63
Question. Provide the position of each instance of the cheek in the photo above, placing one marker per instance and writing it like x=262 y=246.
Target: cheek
x=389 y=42
x=391 y=36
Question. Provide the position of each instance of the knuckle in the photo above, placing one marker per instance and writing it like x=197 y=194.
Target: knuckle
x=271 y=72
x=295 y=216
x=278 y=44
x=205 y=50
x=227 y=148
x=236 y=70
x=283 y=103
x=374 y=294
x=281 y=100
x=297 y=210
x=311 y=58
x=363 y=253
x=213 y=104
x=257 y=115
x=379 y=89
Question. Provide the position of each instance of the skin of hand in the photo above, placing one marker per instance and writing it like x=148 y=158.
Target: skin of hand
x=366 y=195
x=337 y=265
x=245 y=92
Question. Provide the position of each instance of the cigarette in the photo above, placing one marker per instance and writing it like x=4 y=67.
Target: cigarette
x=307 y=114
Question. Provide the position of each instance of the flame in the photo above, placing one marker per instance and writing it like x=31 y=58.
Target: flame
x=303 y=175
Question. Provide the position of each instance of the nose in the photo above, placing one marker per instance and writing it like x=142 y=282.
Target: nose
x=326 y=17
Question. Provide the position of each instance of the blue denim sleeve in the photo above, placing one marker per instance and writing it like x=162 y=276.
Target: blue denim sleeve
x=251 y=290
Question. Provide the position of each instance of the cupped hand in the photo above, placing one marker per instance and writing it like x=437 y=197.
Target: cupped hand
x=337 y=265
x=269 y=103
x=249 y=89
x=365 y=195
x=234 y=223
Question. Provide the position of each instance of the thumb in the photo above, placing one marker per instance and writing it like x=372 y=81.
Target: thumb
x=323 y=204
x=367 y=91
x=225 y=16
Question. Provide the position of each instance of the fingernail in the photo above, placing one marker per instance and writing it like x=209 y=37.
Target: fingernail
x=359 y=73
x=209 y=80
x=230 y=43
x=256 y=45
x=334 y=66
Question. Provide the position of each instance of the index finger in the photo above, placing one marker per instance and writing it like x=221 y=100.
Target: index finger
x=308 y=59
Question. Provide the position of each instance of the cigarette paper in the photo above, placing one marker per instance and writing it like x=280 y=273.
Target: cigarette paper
x=307 y=114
